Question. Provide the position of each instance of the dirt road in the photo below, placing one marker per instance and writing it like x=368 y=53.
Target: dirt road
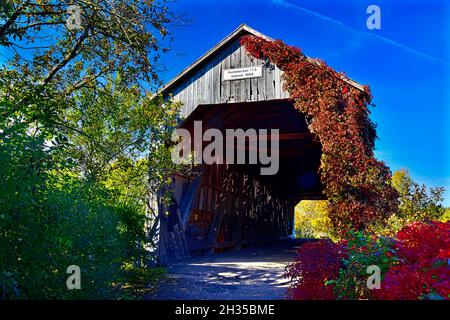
x=252 y=273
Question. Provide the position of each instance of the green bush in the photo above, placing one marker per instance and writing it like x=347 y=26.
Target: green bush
x=362 y=250
x=51 y=219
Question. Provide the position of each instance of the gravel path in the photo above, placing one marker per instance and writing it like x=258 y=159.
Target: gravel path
x=253 y=273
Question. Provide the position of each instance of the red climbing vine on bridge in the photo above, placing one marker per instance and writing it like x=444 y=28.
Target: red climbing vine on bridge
x=356 y=184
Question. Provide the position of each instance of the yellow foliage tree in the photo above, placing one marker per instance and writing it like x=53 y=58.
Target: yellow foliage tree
x=312 y=220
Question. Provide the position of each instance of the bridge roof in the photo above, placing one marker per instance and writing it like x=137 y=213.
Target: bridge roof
x=243 y=29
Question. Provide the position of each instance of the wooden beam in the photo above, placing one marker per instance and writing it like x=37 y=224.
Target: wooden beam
x=187 y=200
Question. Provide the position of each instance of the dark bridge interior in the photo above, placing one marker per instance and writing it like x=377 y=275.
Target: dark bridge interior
x=299 y=152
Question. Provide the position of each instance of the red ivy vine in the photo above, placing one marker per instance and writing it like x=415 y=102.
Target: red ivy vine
x=356 y=184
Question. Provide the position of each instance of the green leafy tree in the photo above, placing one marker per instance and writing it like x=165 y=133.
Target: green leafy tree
x=118 y=125
x=77 y=139
x=111 y=36
x=113 y=142
x=417 y=202
x=52 y=63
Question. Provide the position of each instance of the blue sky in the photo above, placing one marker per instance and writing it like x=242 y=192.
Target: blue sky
x=406 y=63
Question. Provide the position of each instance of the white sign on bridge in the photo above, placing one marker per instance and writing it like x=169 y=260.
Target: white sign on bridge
x=242 y=73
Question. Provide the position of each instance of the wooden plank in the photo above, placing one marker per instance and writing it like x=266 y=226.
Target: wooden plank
x=195 y=91
x=225 y=85
x=207 y=85
x=215 y=80
x=235 y=63
x=237 y=234
x=253 y=94
x=269 y=82
x=246 y=62
x=191 y=95
x=277 y=94
x=215 y=227
x=262 y=85
x=163 y=252
x=188 y=198
x=242 y=83
x=201 y=86
x=186 y=109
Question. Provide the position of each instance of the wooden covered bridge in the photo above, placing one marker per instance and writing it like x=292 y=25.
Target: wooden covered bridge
x=219 y=207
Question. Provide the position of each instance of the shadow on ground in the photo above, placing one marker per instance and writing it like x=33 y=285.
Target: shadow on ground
x=253 y=273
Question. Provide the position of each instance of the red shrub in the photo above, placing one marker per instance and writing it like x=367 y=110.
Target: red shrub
x=423 y=243
x=423 y=253
x=316 y=263
x=420 y=271
x=403 y=282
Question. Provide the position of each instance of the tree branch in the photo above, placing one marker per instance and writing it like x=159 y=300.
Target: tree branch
x=4 y=28
x=72 y=54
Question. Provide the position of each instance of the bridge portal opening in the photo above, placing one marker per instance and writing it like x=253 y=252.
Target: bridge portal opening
x=231 y=206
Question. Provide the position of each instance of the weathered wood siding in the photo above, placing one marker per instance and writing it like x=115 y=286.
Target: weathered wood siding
x=206 y=86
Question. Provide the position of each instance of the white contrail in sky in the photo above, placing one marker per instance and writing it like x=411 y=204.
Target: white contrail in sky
x=367 y=34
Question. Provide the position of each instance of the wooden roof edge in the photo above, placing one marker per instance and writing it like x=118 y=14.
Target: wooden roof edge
x=242 y=28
